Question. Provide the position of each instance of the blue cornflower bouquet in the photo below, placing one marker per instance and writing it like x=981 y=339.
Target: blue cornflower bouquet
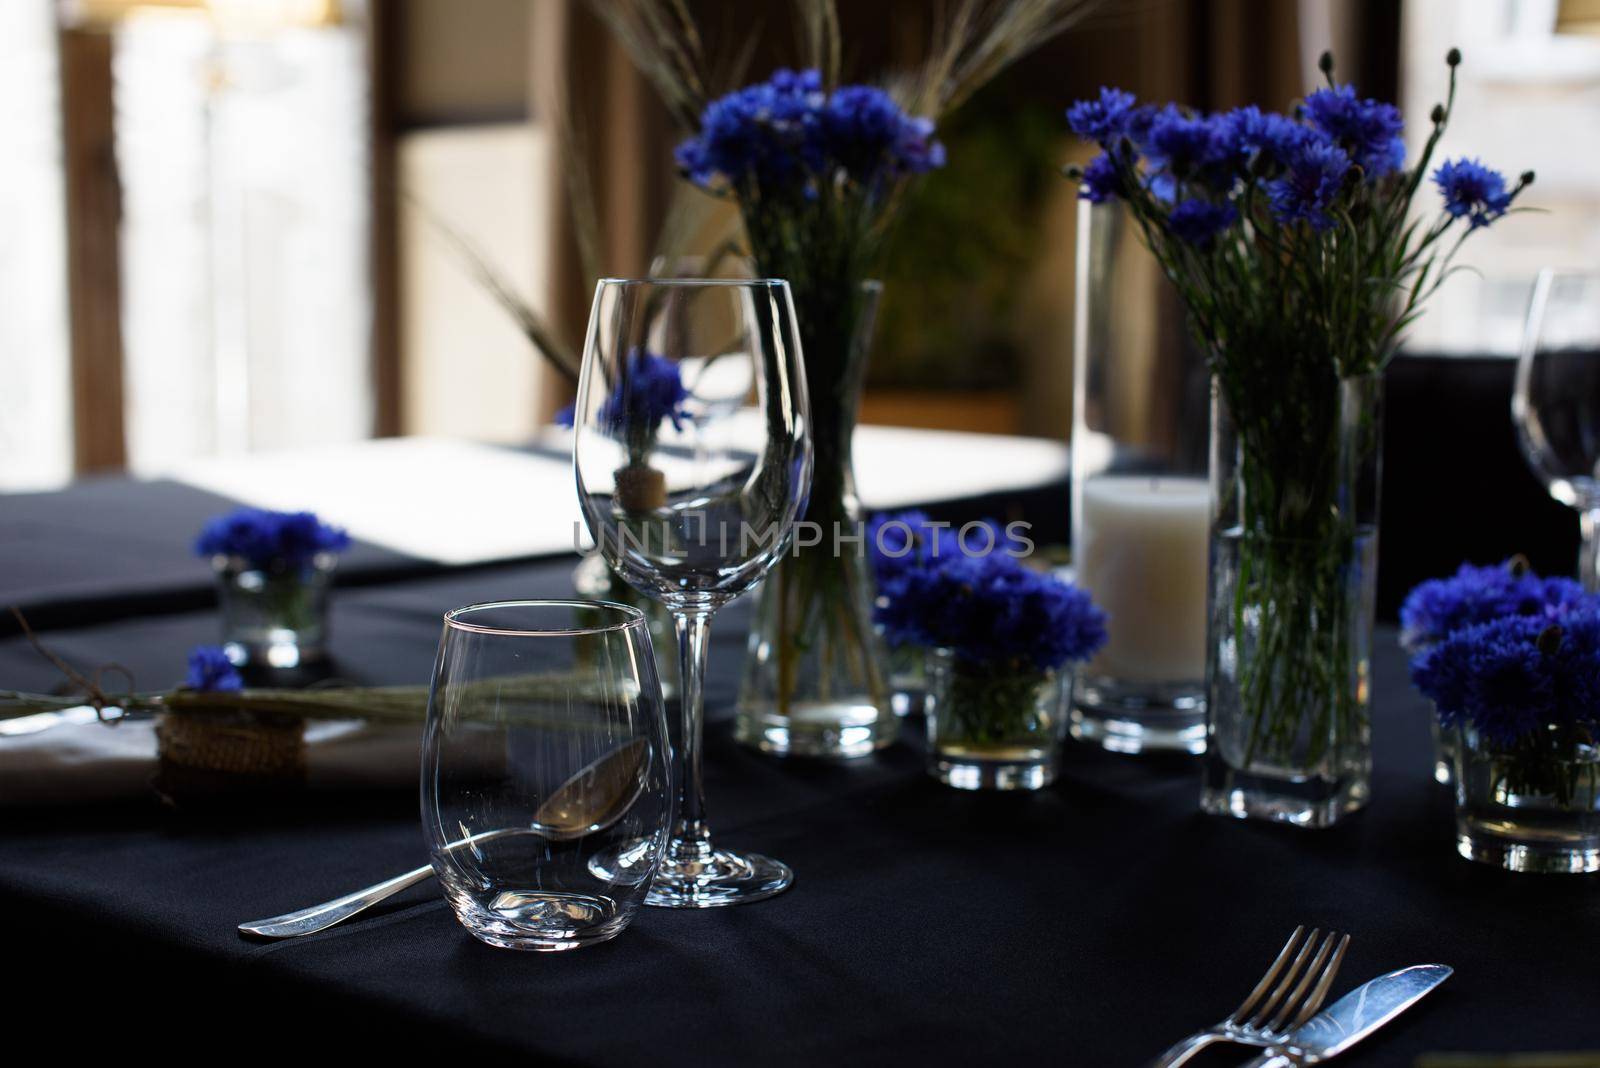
x=1528 y=686
x=1005 y=627
x=1292 y=241
x=1437 y=608
x=816 y=171
x=1280 y=230
x=1440 y=607
x=270 y=540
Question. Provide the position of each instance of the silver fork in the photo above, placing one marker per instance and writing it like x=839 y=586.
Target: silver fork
x=1287 y=996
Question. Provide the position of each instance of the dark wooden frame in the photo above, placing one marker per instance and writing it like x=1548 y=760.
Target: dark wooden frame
x=93 y=220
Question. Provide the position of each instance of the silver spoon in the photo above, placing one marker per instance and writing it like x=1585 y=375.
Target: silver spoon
x=592 y=800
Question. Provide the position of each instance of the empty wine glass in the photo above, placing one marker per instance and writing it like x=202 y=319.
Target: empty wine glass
x=1556 y=402
x=545 y=746
x=692 y=511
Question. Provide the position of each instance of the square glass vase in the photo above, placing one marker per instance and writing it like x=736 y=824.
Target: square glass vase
x=1294 y=564
x=994 y=729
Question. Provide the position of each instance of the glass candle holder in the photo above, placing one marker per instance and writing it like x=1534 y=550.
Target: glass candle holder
x=274 y=615
x=1140 y=497
x=994 y=729
x=1531 y=807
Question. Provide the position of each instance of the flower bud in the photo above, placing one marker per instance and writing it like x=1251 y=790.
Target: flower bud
x=1549 y=640
x=1325 y=63
x=1527 y=177
x=1438 y=114
x=1453 y=57
x=1518 y=566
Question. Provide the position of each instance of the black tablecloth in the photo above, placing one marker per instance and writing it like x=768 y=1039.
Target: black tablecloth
x=114 y=547
x=1091 y=924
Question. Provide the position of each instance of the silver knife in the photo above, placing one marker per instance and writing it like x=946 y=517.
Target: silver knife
x=1354 y=1017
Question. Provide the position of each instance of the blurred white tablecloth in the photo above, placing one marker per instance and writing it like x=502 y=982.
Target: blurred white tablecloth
x=460 y=502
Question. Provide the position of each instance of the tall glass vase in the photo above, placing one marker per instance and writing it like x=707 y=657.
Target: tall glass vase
x=1140 y=501
x=816 y=673
x=1293 y=573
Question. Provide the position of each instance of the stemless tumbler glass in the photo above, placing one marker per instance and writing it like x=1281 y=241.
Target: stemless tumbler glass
x=545 y=751
x=689 y=509
x=1556 y=403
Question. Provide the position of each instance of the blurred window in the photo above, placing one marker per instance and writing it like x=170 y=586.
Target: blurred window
x=219 y=153
x=35 y=375
x=243 y=155
x=1528 y=97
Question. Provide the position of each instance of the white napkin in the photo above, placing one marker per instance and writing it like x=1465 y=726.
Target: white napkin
x=71 y=757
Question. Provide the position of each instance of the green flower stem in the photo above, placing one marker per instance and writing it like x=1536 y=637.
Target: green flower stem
x=993 y=706
x=1542 y=763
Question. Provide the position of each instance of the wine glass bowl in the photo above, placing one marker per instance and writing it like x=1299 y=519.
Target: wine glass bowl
x=690 y=509
x=1556 y=400
x=692 y=455
x=545 y=749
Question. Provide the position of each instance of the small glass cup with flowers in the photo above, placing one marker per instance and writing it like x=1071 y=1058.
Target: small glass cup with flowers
x=1521 y=696
x=1437 y=608
x=1000 y=635
x=273 y=572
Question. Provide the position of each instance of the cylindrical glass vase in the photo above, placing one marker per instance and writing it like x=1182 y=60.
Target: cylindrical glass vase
x=274 y=615
x=816 y=672
x=1140 y=500
x=1533 y=806
x=1293 y=578
x=994 y=728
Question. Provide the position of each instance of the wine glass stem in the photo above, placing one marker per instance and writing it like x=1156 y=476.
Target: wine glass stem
x=1589 y=554
x=691 y=840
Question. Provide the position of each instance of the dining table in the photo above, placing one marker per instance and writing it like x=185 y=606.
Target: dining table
x=1090 y=923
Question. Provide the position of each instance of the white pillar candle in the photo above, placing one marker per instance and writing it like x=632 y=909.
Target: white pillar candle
x=1143 y=556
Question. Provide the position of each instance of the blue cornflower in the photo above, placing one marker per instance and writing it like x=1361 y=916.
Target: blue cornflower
x=1186 y=145
x=902 y=542
x=990 y=610
x=1314 y=172
x=651 y=390
x=905 y=547
x=867 y=134
x=1103 y=120
x=1369 y=130
x=765 y=133
x=1513 y=676
x=1099 y=182
x=1472 y=191
x=1253 y=132
x=211 y=670
x=786 y=134
x=265 y=538
x=1199 y=222
x=1438 y=607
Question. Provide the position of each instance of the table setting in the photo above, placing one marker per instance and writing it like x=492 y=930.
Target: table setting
x=775 y=742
